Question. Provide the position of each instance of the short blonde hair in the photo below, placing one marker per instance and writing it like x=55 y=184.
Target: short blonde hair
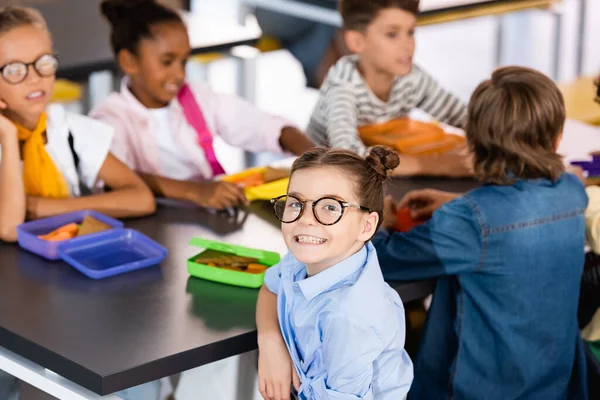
x=12 y=17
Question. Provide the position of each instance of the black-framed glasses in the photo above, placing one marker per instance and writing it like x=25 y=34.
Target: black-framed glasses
x=327 y=210
x=597 y=83
x=16 y=72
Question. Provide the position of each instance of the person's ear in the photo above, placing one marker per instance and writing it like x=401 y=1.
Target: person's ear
x=355 y=41
x=128 y=62
x=369 y=227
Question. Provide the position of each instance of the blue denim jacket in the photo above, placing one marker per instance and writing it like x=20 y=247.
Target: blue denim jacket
x=503 y=322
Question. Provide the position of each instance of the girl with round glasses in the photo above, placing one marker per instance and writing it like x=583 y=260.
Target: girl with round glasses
x=51 y=160
x=327 y=321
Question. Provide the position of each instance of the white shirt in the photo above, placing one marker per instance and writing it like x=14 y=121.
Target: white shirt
x=174 y=163
x=91 y=140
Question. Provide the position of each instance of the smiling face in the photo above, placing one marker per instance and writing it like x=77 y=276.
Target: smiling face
x=387 y=44
x=320 y=246
x=27 y=100
x=157 y=70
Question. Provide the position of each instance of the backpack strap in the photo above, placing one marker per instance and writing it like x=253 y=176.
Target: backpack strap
x=83 y=189
x=193 y=115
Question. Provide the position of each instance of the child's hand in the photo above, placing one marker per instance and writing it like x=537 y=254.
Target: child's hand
x=217 y=195
x=7 y=128
x=390 y=210
x=458 y=165
x=276 y=373
x=423 y=203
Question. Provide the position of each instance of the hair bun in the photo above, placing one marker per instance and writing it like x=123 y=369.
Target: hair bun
x=117 y=10
x=383 y=160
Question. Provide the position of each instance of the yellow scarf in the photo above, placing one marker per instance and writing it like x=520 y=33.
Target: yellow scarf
x=40 y=176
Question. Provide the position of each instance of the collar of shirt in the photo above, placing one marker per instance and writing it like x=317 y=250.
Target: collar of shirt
x=136 y=105
x=332 y=276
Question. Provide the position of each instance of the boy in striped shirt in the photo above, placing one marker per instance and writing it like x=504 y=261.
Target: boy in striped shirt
x=379 y=83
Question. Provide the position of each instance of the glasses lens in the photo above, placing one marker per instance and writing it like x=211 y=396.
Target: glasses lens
x=14 y=72
x=328 y=211
x=46 y=65
x=287 y=208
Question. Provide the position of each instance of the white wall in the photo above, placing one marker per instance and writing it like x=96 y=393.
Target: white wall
x=592 y=42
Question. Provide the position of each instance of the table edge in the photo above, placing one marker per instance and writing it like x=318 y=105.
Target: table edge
x=50 y=360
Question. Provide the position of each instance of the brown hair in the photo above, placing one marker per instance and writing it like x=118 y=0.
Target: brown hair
x=12 y=17
x=133 y=20
x=368 y=174
x=515 y=121
x=358 y=14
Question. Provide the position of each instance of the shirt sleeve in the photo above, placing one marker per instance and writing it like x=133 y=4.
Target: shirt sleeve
x=243 y=125
x=450 y=243
x=342 y=120
x=92 y=141
x=273 y=278
x=349 y=350
x=440 y=103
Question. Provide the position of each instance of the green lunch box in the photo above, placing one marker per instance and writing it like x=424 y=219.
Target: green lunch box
x=230 y=277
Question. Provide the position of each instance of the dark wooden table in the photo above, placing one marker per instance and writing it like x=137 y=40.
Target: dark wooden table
x=116 y=333
x=81 y=36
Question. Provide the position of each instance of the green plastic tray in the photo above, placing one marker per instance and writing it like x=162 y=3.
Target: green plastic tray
x=229 y=277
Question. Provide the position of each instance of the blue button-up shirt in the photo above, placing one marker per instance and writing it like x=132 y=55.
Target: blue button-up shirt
x=344 y=328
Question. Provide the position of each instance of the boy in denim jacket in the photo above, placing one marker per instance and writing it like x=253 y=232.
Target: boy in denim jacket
x=508 y=255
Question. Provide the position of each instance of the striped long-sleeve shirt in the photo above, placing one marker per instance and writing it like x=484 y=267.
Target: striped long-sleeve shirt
x=347 y=103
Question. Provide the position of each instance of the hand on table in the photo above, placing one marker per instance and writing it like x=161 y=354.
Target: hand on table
x=218 y=194
x=423 y=203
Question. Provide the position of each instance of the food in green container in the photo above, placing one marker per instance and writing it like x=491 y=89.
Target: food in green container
x=220 y=259
x=230 y=264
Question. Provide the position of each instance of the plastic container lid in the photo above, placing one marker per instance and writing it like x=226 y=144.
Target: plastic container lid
x=230 y=277
x=111 y=253
x=591 y=167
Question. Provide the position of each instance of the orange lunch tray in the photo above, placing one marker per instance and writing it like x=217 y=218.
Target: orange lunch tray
x=411 y=137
